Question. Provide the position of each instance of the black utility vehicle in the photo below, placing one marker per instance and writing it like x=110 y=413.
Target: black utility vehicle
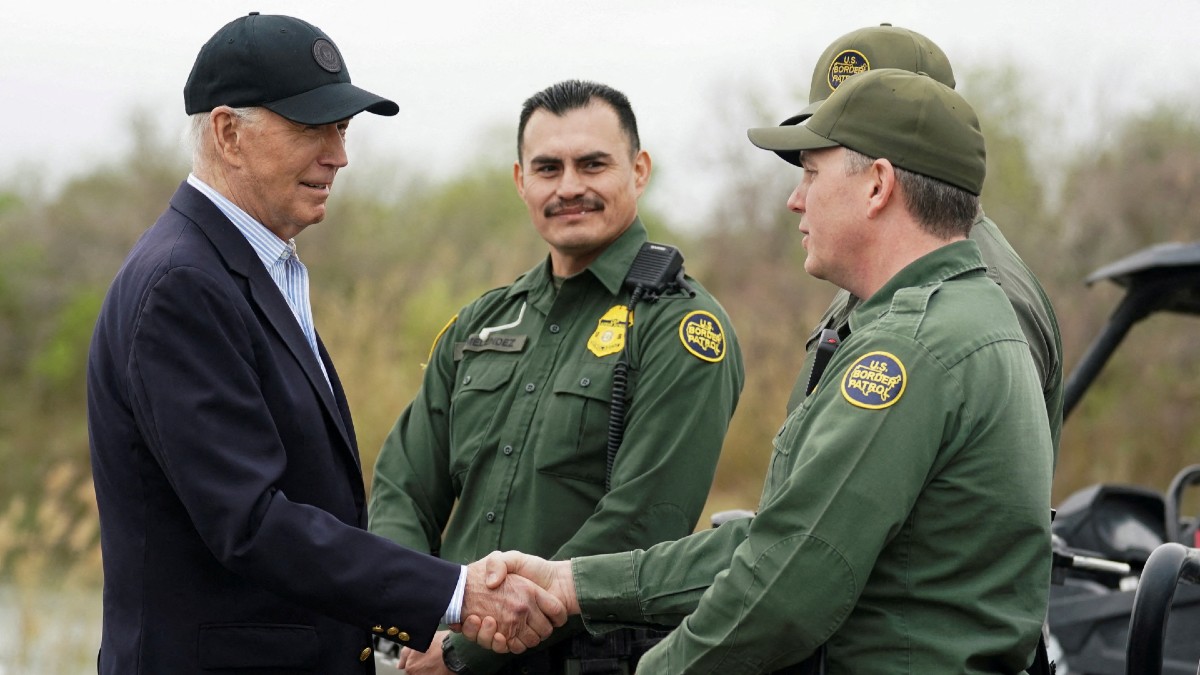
x=1126 y=557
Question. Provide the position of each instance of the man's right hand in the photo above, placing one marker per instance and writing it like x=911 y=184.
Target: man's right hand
x=502 y=568
x=519 y=612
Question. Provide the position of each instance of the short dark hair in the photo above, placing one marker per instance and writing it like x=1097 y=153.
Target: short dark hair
x=569 y=95
x=943 y=210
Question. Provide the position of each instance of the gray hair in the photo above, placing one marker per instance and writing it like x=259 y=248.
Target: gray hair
x=198 y=127
x=942 y=210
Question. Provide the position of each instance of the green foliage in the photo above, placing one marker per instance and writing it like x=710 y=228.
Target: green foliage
x=1139 y=188
x=63 y=357
x=9 y=201
x=20 y=267
x=60 y=253
x=1136 y=187
x=1013 y=193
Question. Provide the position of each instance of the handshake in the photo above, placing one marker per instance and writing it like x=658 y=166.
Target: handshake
x=512 y=602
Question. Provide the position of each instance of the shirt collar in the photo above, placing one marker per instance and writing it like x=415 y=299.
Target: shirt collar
x=270 y=248
x=610 y=268
x=942 y=264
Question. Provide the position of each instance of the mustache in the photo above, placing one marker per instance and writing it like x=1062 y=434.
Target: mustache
x=557 y=207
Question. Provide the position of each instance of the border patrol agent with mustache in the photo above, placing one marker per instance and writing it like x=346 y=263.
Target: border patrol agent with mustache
x=509 y=427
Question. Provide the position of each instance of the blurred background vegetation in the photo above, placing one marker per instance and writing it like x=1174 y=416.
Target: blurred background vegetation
x=399 y=254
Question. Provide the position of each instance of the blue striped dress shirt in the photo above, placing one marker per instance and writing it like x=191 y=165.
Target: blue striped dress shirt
x=279 y=257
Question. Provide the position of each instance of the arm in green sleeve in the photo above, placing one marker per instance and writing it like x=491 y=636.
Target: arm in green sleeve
x=411 y=492
x=812 y=546
x=659 y=586
x=635 y=588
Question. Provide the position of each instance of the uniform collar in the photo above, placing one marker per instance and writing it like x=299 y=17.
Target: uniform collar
x=942 y=264
x=610 y=268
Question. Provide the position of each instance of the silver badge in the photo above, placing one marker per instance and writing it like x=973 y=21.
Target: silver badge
x=326 y=55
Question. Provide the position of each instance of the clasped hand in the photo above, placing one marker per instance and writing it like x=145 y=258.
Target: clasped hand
x=513 y=601
x=525 y=598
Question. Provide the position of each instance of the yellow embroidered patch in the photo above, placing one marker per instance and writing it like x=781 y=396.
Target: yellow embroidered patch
x=845 y=64
x=875 y=381
x=609 y=337
x=702 y=335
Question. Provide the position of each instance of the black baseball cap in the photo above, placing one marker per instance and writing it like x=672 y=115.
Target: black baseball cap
x=910 y=119
x=281 y=63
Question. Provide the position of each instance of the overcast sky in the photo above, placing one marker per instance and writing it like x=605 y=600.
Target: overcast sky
x=70 y=73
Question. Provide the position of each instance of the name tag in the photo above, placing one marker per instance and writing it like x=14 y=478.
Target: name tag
x=494 y=343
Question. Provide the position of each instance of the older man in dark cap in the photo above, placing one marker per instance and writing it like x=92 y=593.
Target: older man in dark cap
x=232 y=506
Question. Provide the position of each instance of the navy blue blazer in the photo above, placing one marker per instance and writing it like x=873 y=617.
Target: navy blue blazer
x=232 y=507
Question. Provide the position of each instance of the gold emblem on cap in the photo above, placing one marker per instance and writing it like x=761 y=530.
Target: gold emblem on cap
x=848 y=62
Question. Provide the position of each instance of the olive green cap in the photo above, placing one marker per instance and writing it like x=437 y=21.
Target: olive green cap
x=872 y=48
x=909 y=119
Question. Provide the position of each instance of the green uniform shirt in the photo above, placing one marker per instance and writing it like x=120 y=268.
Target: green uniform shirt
x=511 y=422
x=1024 y=292
x=905 y=519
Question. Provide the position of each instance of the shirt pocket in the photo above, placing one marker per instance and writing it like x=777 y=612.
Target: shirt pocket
x=575 y=428
x=782 y=451
x=477 y=406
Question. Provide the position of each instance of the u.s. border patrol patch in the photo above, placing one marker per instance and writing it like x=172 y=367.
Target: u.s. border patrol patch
x=702 y=335
x=876 y=380
x=845 y=64
x=609 y=337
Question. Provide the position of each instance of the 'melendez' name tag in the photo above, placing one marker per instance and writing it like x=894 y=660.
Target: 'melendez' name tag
x=494 y=343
